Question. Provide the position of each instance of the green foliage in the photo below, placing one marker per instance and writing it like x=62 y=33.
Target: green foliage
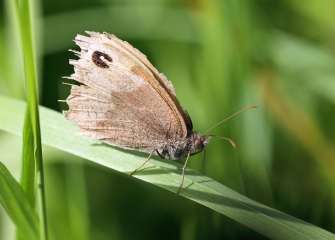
x=17 y=205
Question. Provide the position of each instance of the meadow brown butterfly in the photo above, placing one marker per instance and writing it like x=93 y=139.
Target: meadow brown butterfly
x=124 y=101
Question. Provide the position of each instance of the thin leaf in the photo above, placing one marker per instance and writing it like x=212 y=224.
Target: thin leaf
x=17 y=205
x=28 y=161
x=32 y=122
x=61 y=134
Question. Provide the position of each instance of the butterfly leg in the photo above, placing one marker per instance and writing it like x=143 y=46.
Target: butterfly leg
x=183 y=173
x=145 y=162
x=204 y=161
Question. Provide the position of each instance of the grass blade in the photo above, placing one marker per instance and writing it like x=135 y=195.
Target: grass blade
x=17 y=205
x=28 y=162
x=61 y=134
x=23 y=14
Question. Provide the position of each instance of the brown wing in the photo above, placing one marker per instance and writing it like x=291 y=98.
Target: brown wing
x=163 y=81
x=141 y=57
x=124 y=100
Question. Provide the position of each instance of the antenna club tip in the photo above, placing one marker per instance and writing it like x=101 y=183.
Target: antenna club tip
x=232 y=143
x=252 y=106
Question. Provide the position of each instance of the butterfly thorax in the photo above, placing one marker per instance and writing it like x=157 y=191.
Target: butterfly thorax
x=179 y=149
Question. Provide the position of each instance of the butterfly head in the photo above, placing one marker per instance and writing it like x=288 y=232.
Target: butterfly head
x=197 y=143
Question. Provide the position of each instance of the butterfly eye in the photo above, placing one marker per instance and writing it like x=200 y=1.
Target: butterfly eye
x=99 y=59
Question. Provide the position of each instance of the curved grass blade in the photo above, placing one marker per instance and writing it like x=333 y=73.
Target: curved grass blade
x=17 y=205
x=61 y=134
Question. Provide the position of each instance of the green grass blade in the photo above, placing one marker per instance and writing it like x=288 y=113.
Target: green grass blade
x=23 y=13
x=17 y=205
x=61 y=134
x=28 y=162
x=28 y=166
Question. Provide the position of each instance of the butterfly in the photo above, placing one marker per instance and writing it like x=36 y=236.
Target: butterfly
x=123 y=100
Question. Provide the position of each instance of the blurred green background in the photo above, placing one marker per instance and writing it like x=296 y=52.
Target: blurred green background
x=221 y=56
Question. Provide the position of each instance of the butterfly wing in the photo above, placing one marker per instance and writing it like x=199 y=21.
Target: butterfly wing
x=123 y=99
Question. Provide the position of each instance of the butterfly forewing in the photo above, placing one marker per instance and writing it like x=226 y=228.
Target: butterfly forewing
x=123 y=99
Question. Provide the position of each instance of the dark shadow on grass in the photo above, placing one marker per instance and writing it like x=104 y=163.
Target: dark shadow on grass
x=232 y=203
x=135 y=152
x=150 y=169
x=128 y=151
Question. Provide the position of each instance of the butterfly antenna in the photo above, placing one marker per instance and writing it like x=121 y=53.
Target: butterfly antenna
x=231 y=116
x=231 y=141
